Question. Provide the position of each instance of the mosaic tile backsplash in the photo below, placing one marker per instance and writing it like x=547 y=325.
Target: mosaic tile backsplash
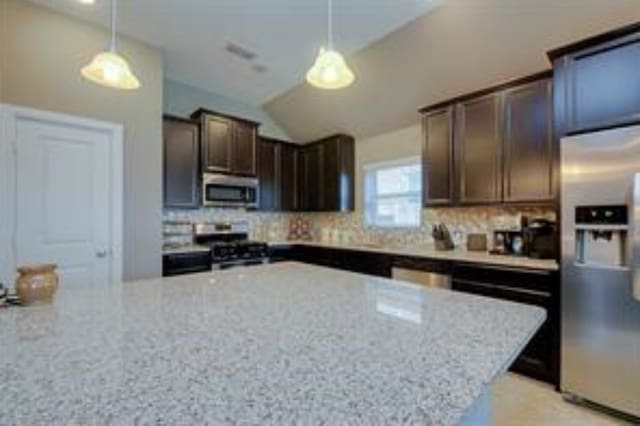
x=350 y=228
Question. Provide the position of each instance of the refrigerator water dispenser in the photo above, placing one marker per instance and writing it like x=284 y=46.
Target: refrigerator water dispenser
x=601 y=236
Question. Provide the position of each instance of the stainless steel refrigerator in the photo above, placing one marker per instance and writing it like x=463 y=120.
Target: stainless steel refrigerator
x=600 y=178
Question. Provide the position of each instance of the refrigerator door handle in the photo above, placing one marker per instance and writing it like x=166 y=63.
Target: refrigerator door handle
x=635 y=237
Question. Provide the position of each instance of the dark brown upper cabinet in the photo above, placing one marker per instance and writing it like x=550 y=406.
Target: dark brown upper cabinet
x=326 y=174
x=338 y=173
x=491 y=146
x=288 y=173
x=277 y=174
x=228 y=143
x=243 y=158
x=437 y=150
x=181 y=139
x=596 y=82
x=478 y=144
x=311 y=175
x=528 y=143
x=269 y=175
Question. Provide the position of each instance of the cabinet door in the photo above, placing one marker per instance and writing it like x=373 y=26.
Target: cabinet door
x=218 y=136
x=244 y=149
x=601 y=85
x=338 y=165
x=528 y=143
x=479 y=150
x=288 y=178
x=437 y=157
x=268 y=174
x=311 y=174
x=181 y=157
x=536 y=359
x=185 y=263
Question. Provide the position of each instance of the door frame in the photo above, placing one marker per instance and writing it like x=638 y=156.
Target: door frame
x=9 y=116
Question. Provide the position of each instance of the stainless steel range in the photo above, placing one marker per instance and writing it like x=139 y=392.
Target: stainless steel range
x=230 y=244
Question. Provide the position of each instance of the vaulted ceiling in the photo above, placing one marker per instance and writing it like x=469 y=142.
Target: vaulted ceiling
x=284 y=36
x=461 y=46
x=405 y=53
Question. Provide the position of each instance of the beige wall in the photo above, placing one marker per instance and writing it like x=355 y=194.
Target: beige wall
x=40 y=58
x=395 y=145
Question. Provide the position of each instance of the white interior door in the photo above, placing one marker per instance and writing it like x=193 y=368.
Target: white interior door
x=63 y=199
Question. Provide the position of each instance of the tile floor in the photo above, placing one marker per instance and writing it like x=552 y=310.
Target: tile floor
x=519 y=401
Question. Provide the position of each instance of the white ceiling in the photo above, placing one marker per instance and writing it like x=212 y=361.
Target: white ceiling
x=460 y=47
x=285 y=35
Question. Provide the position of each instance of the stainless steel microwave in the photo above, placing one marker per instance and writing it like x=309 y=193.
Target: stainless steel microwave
x=220 y=190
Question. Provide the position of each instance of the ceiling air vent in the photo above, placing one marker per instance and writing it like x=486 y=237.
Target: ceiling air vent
x=240 y=52
x=259 y=68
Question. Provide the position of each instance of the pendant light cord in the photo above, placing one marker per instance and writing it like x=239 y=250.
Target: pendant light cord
x=113 y=25
x=330 y=23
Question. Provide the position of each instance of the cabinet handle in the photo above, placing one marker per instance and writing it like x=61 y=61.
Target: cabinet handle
x=509 y=269
x=503 y=287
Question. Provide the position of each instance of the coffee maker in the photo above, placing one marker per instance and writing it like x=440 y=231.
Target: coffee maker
x=540 y=238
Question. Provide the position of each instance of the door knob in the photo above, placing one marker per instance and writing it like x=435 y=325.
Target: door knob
x=101 y=253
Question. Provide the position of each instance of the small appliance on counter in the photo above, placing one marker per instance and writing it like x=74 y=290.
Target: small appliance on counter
x=230 y=244
x=508 y=242
x=540 y=238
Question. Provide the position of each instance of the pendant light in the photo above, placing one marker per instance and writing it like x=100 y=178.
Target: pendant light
x=108 y=68
x=330 y=71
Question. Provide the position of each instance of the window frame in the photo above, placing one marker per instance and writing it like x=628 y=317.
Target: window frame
x=370 y=196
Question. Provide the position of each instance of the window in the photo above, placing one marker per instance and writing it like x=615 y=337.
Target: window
x=393 y=194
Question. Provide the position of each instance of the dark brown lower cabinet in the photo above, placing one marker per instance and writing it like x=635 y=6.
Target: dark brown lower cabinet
x=185 y=263
x=348 y=260
x=540 y=358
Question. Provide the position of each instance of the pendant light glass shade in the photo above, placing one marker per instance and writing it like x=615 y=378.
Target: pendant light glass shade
x=108 y=68
x=330 y=71
x=111 y=70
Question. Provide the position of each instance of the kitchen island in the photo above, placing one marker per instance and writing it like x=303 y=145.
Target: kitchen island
x=276 y=344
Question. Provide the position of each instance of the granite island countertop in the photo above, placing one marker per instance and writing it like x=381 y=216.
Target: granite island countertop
x=286 y=343
x=429 y=252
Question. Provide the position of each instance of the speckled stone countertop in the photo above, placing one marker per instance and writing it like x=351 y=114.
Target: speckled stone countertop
x=278 y=344
x=429 y=252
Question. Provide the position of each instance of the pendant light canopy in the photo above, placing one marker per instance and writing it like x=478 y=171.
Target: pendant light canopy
x=330 y=70
x=108 y=68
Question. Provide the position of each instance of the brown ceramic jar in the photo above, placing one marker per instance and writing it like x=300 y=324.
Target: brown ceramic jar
x=36 y=283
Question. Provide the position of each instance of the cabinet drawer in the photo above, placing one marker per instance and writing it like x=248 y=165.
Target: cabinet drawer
x=528 y=279
x=185 y=263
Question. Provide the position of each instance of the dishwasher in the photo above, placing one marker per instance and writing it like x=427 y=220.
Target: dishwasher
x=427 y=273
